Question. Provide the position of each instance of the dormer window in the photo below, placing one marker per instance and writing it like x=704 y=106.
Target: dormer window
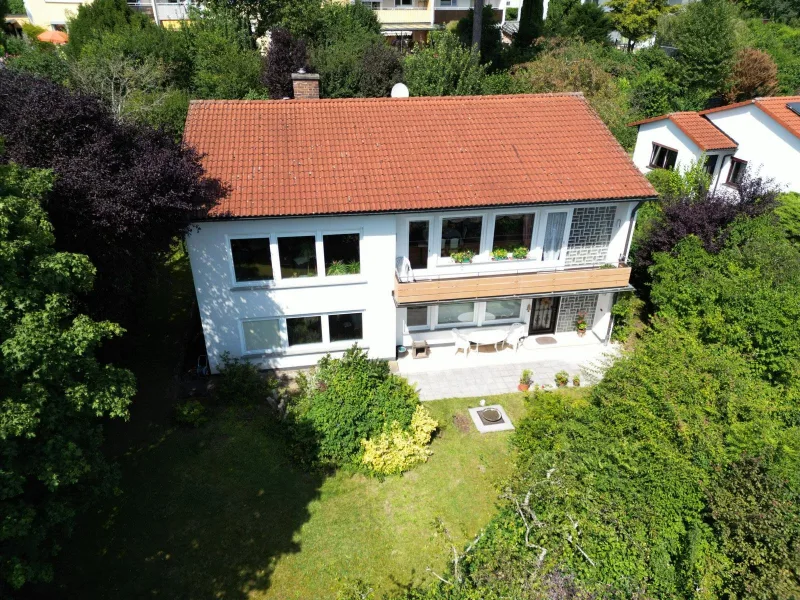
x=663 y=157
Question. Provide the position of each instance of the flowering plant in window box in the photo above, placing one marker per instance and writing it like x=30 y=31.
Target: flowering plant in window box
x=580 y=324
x=462 y=256
x=500 y=254
x=520 y=253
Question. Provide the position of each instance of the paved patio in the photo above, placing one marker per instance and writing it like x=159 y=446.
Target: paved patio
x=445 y=375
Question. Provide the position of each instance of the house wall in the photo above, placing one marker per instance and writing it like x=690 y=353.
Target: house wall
x=223 y=304
x=46 y=13
x=664 y=133
x=763 y=143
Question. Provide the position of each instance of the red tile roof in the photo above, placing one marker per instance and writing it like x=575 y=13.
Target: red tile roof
x=775 y=107
x=700 y=130
x=305 y=157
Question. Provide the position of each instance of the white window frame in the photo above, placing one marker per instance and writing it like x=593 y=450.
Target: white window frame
x=321 y=278
x=325 y=346
x=440 y=326
x=321 y=253
x=482 y=313
x=426 y=327
x=541 y=229
x=536 y=212
x=272 y=257
x=440 y=219
x=405 y=250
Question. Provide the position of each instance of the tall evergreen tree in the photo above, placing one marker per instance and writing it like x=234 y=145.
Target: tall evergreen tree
x=531 y=21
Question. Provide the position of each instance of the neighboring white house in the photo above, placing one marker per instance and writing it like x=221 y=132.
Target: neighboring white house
x=343 y=217
x=762 y=135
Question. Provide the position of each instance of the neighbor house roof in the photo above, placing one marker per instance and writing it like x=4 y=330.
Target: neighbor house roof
x=307 y=157
x=775 y=107
x=700 y=130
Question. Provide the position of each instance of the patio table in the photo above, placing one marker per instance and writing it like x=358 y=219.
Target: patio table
x=486 y=337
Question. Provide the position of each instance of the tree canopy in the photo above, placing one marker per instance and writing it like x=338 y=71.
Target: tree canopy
x=53 y=391
x=122 y=191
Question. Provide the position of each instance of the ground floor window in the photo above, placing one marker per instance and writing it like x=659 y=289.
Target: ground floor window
x=456 y=313
x=501 y=310
x=417 y=316
x=345 y=327
x=281 y=333
x=304 y=330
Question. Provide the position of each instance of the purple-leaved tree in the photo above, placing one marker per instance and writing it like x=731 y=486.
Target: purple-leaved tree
x=123 y=192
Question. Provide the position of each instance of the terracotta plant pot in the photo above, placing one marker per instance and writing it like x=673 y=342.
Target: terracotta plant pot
x=581 y=332
x=523 y=387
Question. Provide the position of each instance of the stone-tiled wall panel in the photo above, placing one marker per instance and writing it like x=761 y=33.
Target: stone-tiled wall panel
x=569 y=309
x=590 y=235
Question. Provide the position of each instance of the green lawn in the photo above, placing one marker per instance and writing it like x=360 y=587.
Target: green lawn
x=220 y=512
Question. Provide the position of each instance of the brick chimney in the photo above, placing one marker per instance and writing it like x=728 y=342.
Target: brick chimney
x=305 y=85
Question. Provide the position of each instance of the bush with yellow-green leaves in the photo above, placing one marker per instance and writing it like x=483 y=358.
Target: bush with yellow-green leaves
x=396 y=449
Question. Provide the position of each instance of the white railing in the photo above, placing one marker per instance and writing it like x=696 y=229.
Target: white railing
x=405 y=274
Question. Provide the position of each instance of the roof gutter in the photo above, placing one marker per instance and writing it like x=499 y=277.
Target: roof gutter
x=222 y=218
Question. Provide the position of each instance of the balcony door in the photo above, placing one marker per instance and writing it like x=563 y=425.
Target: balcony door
x=544 y=312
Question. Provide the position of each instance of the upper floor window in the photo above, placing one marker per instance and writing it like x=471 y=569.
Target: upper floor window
x=418 y=244
x=663 y=157
x=554 y=235
x=513 y=231
x=406 y=3
x=342 y=254
x=298 y=256
x=252 y=260
x=736 y=172
x=460 y=234
x=711 y=164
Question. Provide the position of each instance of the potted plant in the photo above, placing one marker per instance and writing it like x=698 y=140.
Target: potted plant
x=462 y=256
x=520 y=253
x=562 y=378
x=580 y=324
x=500 y=254
x=576 y=380
x=525 y=380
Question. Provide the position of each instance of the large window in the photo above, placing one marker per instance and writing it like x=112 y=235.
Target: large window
x=554 y=235
x=345 y=327
x=456 y=313
x=252 y=260
x=418 y=244
x=736 y=172
x=342 y=254
x=298 y=256
x=262 y=335
x=499 y=310
x=663 y=157
x=512 y=231
x=417 y=316
x=304 y=330
x=460 y=234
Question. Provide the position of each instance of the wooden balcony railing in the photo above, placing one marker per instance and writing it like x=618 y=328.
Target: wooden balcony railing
x=514 y=284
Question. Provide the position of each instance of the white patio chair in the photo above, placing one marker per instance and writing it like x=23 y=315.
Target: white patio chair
x=515 y=335
x=461 y=342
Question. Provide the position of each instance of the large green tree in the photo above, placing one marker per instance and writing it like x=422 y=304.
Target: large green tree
x=444 y=68
x=704 y=34
x=53 y=391
x=636 y=19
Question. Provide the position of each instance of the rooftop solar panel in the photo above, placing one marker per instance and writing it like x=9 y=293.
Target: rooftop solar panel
x=794 y=107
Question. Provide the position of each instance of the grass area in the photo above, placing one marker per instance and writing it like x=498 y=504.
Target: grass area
x=220 y=512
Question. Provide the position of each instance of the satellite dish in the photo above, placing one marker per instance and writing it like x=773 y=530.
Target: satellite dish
x=399 y=90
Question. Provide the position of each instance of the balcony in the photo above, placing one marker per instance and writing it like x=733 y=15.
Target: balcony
x=167 y=11
x=412 y=290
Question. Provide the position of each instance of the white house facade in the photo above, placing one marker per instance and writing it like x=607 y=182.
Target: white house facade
x=761 y=135
x=344 y=227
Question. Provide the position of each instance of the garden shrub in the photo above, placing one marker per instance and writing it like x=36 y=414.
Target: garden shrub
x=240 y=382
x=396 y=449
x=625 y=311
x=190 y=413
x=346 y=400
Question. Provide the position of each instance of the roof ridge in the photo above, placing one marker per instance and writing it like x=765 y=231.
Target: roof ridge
x=470 y=98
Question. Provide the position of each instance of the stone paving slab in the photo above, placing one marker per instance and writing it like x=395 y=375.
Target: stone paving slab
x=490 y=380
